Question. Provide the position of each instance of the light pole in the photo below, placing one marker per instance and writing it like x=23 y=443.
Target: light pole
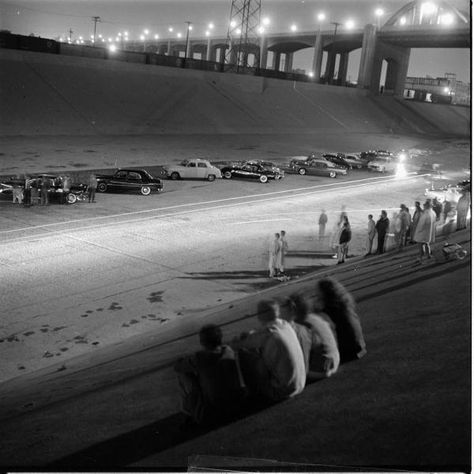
x=378 y=14
x=95 y=19
x=189 y=27
x=333 y=59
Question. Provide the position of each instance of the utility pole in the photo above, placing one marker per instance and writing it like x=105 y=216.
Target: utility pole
x=70 y=35
x=95 y=19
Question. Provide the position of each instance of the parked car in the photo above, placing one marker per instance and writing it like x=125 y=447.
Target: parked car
x=316 y=166
x=56 y=192
x=373 y=154
x=249 y=171
x=270 y=166
x=383 y=164
x=338 y=159
x=193 y=169
x=129 y=180
x=355 y=160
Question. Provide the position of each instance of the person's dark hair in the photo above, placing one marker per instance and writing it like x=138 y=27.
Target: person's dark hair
x=384 y=213
x=336 y=300
x=299 y=306
x=268 y=310
x=370 y=216
x=210 y=336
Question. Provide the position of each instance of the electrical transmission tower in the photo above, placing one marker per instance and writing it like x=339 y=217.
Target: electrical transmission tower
x=242 y=35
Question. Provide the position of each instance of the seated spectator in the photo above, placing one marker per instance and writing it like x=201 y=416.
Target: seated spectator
x=334 y=300
x=324 y=354
x=210 y=381
x=271 y=357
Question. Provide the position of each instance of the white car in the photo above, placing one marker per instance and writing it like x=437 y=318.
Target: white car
x=193 y=169
x=383 y=164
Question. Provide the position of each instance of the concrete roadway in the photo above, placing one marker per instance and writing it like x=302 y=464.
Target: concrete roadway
x=78 y=278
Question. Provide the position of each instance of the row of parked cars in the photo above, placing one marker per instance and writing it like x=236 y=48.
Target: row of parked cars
x=141 y=181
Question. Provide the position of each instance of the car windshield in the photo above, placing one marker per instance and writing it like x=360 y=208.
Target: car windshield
x=148 y=175
x=184 y=163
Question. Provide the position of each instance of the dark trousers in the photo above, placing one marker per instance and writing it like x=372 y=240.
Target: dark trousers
x=380 y=243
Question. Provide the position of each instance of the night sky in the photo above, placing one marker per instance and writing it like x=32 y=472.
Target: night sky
x=53 y=19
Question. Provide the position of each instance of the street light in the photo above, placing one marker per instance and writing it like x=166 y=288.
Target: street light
x=378 y=14
x=293 y=27
x=321 y=18
x=189 y=27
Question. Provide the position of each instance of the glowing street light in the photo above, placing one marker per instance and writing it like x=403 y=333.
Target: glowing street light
x=211 y=26
x=378 y=14
x=293 y=28
x=233 y=24
x=266 y=21
x=446 y=19
x=349 y=24
x=112 y=48
x=170 y=29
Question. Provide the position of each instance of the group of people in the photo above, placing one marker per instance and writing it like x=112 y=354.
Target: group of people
x=277 y=251
x=37 y=190
x=297 y=342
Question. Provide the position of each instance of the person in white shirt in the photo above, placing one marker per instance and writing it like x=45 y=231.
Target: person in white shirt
x=271 y=357
x=282 y=252
x=273 y=253
x=370 y=234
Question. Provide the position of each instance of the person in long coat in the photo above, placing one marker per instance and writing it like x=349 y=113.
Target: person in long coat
x=273 y=252
x=415 y=219
x=462 y=209
x=344 y=239
x=425 y=231
x=381 y=227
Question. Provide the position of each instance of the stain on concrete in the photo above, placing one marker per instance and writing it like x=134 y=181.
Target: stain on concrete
x=156 y=297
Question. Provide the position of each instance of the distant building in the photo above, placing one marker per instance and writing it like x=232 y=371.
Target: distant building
x=443 y=90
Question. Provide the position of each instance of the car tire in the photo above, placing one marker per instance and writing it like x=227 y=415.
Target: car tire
x=359 y=167
x=71 y=198
x=174 y=175
x=227 y=174
x=102 y=187
x=211 y=177
x=145 y=190
x=302 y=171
x=263 y=178
x=332 y=174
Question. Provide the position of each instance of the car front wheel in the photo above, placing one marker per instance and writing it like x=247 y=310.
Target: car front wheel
x=227 y=175
x=174 y=175
x=263 y=178
x=102 y=187
x=332 y=174
x=145 y=190
x=71 y=198
x=302 y=171
x=211 y=177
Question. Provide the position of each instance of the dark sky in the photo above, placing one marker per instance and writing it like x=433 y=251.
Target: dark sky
x=53 y=18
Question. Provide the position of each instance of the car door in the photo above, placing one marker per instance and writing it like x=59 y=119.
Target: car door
x=201 y=170
x=191 y=170
x=118 y=182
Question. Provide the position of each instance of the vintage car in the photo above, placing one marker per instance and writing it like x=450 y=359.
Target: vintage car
x=129 y=180
x=6 y=188
x=316 y=166
x=338 y=159
x=270 y=166
x=383 y=164
x=249 y=171
x=193 y=169
x=56 y=191
x=356 y=161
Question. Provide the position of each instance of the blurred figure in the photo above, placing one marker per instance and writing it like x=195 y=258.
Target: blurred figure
x=381 y=227
x=27 y=194
x=323 y=220
x=273 y=253
x=334 y=300
x=344 y=239
x=415 y=219
x=271 y=357
x=17 y=194
x=462 y=210
x=44 y=191
x=370 y=234
x=425 y=231
x=211 y=386
x=282 y=252
x=324 y=356
x=404 y=220
x=437 y=208
x=92 y=186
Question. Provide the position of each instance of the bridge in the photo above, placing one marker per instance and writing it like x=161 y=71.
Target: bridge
x=419 y=24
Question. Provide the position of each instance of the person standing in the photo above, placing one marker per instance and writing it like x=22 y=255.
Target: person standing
x=27 y=195
x=404 y=220
x=344 y=239
x=323 y=220
x=415 y=219
x=282 y=251
x=44 y=191
x=425 y=231
x=92 y=186
x=462 y=209
x=370 y=234
x=273 y=253
x=382 y=228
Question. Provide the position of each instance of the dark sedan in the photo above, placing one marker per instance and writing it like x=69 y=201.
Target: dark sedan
x=127 y=180
x=320 y=167
x=338 y=159
x=249 y=171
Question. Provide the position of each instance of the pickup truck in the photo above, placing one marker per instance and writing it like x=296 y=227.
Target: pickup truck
x=193 y=169
x=129 y=180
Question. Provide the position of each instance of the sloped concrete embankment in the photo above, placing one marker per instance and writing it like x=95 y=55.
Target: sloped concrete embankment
x=117 y=406
x=45 y=94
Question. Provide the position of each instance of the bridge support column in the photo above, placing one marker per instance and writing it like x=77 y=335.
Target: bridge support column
x=168 y=52
x=288 y=62
x=317 y=57
x=343 y=64
x=276 y=61
x=263 y=53
x=367 y=55
x=330 y=67
x=208 y=50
